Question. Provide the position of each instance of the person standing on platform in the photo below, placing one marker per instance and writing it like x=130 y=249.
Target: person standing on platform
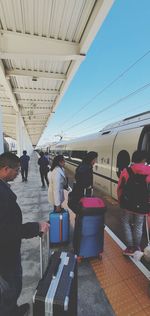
x=57 y=182
x=84 y=173
x=24 y=163
x=44 y=168
x=84 y=180
x=82 y=186
x=47 y=156
x=132 y=221
x=12 y=230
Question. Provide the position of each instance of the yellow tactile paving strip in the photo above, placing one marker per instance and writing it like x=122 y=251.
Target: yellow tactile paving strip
x=125 y=286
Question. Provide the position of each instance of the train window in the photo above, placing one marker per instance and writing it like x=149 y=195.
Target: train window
x=78 y=154
x=123 y=160
x=66 y=154
x=105 y=133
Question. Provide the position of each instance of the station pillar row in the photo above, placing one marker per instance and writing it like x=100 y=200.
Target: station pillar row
x=1 y=133
x=22 y=137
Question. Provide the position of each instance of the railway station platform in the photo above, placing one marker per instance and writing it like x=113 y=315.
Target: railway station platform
x=111 y=286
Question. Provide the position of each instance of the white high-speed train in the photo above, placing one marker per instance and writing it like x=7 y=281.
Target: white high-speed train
x=114 y=145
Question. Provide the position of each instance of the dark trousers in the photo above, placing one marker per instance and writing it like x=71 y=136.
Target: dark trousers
x=24 y=173
x=77 y=234
x=44 y=177
x=10 y=290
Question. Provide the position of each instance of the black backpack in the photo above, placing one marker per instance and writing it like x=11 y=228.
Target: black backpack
x=135 y=195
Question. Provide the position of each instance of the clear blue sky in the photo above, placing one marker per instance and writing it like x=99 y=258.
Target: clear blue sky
x=123 y=39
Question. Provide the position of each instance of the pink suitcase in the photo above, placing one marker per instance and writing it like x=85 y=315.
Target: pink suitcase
x=91 y=206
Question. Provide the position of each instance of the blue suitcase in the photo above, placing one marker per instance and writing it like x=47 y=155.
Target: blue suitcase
x=59 y=227
x=89 y=228
x=92 y=236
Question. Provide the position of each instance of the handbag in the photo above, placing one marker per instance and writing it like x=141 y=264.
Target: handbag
x=75 y=195
x=73 y=200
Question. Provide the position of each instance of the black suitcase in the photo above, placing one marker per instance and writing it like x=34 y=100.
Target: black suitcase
x=56 y=293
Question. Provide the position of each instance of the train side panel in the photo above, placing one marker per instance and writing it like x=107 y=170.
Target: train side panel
x=102 y=170
x=115 y=145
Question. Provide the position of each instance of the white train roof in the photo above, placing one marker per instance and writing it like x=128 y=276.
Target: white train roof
x=141 y=119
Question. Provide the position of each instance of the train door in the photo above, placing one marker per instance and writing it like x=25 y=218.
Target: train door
x=144 y=142
x=125 y=144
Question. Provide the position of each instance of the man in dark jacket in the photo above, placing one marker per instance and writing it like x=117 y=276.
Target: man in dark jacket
x=84 y=180
x=84 y=174
x=24 y=163
x=43 y=163
x=11 y=232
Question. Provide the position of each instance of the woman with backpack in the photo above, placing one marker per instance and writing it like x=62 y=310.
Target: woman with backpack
x=133 y=196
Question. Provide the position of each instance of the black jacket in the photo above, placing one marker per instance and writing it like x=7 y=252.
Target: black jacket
x=84 y=178
x=43 y=163
x=24 y=161
x=11 y=228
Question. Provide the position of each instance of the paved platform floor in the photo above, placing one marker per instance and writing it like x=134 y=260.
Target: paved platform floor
x=92 y=300
x=111 y=286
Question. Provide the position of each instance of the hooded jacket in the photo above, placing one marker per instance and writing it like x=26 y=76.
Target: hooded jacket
x=137 y=168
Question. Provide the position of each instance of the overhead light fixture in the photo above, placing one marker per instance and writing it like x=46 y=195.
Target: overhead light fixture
x=34 y=78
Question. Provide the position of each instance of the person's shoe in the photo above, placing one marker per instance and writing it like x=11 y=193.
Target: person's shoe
x=23 y=309
x=43 y=186
x=128 y=252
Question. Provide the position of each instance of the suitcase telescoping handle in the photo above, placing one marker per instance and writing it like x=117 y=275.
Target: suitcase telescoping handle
x=57 y=263
x=88 y=192
x=45 y=258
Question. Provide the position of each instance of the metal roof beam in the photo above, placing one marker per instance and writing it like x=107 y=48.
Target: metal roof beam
x=34 y=134
x=40 y=91
x=36 y=114
x=35 y=74
x=47 y=104
x=6 y=84
x=35 y=102
x=71 y=71
x=5 y=124
x=8 y=114
x=32 y=46
x=97 y=17
x=34 y=124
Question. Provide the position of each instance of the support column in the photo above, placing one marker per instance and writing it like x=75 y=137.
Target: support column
x=27 y=145
x=22 y=137
x=1 y=133
x=19 y=133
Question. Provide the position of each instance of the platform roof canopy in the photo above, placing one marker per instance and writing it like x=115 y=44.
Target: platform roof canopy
x=42 y=44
